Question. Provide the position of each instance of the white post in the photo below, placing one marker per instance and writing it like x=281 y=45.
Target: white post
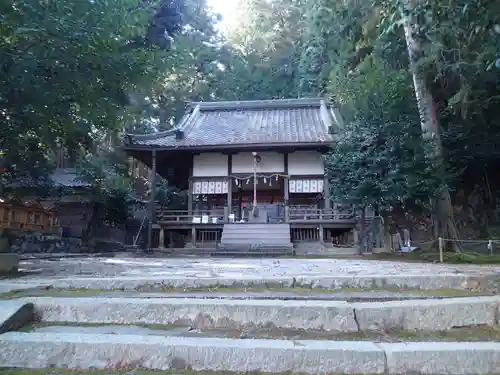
x=161 y=244
x=490 y=246
x=254 y=183
x=441 y=246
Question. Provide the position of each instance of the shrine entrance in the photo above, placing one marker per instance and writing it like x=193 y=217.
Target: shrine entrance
x=270 y=193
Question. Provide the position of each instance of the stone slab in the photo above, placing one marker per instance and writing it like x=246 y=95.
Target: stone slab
x=422 y=281
x=285 y=296
x=177 y=282
x=80 y=351
x=437 y=358
x=431 y=315
x=137 y=283
x=199 y=313
x=9 y=263
x=12 y=287
x=14 y=314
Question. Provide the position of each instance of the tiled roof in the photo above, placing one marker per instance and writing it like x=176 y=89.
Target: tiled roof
x=68 y=177
x=247 y=122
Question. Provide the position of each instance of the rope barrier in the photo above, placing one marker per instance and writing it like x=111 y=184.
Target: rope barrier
x=441 y=242
x=470 y=241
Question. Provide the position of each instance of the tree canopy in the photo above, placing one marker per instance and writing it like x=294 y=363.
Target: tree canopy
x=73 y=71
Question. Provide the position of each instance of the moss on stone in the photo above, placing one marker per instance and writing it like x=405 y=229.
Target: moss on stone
x=300 y=290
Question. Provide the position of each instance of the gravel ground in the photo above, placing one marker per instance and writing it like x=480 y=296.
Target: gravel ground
x=164 y=267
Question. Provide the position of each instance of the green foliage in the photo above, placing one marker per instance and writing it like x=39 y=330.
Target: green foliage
x=66 y=73
x=379 y=159
x=76 y=71
x=381 y=163
x=112 y=192
x=169 y=196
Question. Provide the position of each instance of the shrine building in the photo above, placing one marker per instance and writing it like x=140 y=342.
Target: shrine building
x=254 y=176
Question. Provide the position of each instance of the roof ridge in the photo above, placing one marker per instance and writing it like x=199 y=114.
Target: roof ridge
x=151 y=135
x=259 y=104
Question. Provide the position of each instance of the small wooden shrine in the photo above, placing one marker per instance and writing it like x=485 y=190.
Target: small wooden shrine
x=29 y=216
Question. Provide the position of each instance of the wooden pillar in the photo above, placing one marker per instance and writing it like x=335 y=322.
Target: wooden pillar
x=193 y=235
x=286 y=186
x=151 y=207
x=170 y=240
x=190 y=196
x=326 y=193
x=321 y=234
x=161 y=243
x=229 y=204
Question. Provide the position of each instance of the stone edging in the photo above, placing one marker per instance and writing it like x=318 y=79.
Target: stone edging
x=425 y=282
x=83 y=351
x=429 y=315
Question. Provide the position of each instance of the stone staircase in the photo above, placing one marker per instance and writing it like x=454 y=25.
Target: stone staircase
x=339 y=326
x=256 y=239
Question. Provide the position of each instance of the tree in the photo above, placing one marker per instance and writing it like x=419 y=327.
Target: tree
x=379 y=159
x=110 y=188
x=67 y=69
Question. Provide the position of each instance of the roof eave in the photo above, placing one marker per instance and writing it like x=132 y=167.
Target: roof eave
x=231 y=146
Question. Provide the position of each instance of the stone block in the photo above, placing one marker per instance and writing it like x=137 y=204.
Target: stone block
x=200 y=313
x=426 y=282
x=429 y=314
x=145 y=283
x=9 y=263
x=436 y=358
x=84 y=351
x=14 y=287
x=15 y=314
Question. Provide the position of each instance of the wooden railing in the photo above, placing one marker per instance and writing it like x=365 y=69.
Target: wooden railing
x=184 y=216
x=29 y=227
x=303 y=214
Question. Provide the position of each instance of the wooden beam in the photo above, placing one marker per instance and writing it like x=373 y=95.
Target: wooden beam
x=152 y=179
x=286 y=194
x=229 y=184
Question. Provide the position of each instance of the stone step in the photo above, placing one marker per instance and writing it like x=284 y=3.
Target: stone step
x=425 y=315
x=256 y=239
x=267 y=226
x=248 y=249
x=423 y=281
x=262 y=245
x=14 y=314
x=243 y=233
x=150 y=352
x=263 y=230
x=469 y=334
x=256 y=235
x=348 y=296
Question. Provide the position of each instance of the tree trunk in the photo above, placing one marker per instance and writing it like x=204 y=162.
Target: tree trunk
x=444 y=222
x=362 y=232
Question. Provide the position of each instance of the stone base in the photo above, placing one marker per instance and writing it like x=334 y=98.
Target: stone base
x=15 y=314
x=9 y=263
x=110 y=352
x=30 y=242
x=118 y=352
x=380 y=250
x=319 y=249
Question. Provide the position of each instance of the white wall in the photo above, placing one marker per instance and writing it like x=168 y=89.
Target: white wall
x=270 y=162
x=212 y=164
x=302 y=163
